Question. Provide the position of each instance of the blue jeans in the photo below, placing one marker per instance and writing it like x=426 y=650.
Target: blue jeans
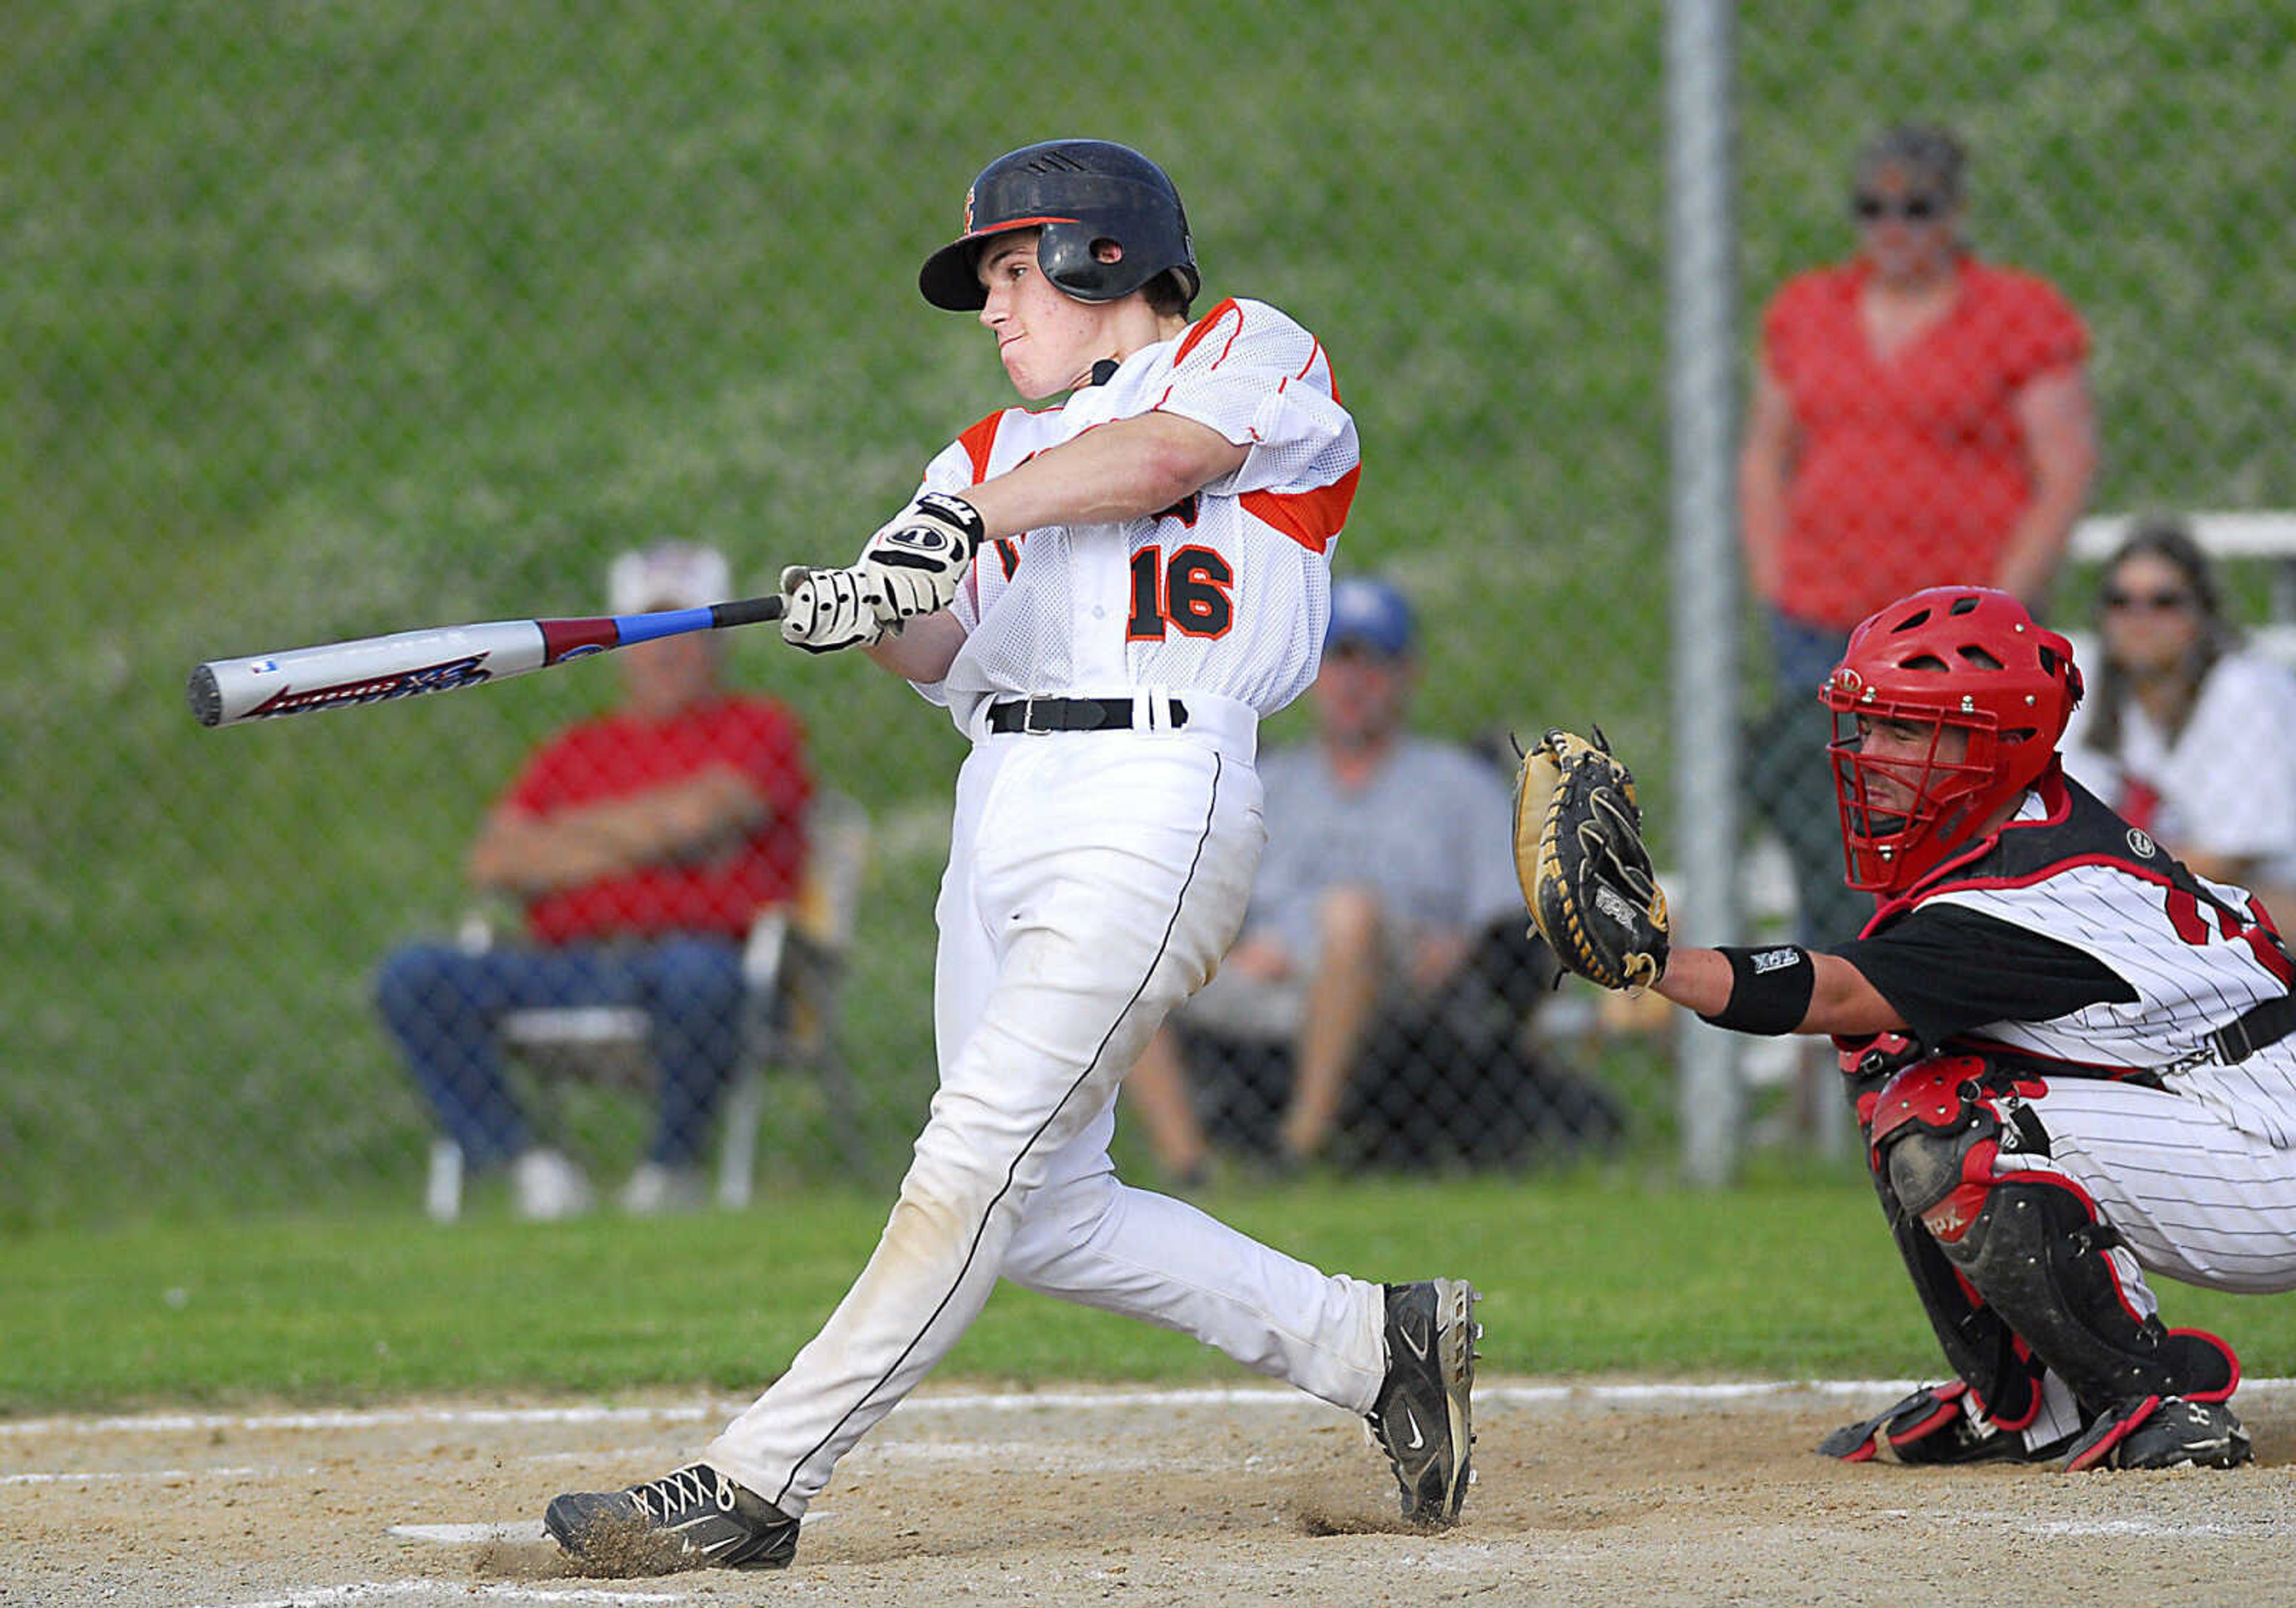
x=1792 y=781
x=441 y=1004
x=1804 y=655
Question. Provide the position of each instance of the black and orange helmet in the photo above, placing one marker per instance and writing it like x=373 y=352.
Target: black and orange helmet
x=1077 y=193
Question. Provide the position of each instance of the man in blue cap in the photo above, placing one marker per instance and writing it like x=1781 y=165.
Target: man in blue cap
x=1387 y=865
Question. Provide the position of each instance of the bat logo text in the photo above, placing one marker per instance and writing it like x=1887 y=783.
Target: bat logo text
x=468 y=670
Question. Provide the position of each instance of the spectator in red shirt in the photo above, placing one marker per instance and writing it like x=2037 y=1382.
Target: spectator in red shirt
x=642 y=844
x=1919 y=418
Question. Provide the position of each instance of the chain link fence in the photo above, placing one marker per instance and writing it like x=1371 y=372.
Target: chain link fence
x=332 y=321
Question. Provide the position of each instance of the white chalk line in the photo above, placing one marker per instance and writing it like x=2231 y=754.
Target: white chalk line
x=1032 y=1456
x=348 y=1418
x=381 y=1591
x=176 y=1476
x=1115 y=1398
x=521 y=1529
x=2145 y=1528
x=883 y=1450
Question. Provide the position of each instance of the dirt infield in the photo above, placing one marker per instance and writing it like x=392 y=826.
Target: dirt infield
x=1600 y=1492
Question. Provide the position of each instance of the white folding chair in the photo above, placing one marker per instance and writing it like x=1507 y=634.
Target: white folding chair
x=792 y=964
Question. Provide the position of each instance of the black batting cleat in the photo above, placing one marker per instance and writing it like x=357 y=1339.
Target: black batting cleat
x=2162 y=1431
x=690 y=1517
x=1423 y=1416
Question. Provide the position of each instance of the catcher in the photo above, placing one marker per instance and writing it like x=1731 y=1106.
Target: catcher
x=2070 y=1056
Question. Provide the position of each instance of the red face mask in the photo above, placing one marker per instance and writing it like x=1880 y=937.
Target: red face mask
x=1962 y=697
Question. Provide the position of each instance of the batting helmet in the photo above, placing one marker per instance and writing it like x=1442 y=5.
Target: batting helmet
x=1077 y=193
x=1953 y=658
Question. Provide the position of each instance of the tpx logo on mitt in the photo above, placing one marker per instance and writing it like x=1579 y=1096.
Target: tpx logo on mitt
x=1616 y=905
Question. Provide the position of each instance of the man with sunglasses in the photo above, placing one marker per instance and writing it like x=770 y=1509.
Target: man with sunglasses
x=1919 y=417
x=2071 y=1056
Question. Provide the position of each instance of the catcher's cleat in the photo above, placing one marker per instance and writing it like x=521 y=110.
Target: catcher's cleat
x=2161 y=1431
x=694 y=1515
x=1933 y=1425
x=1423 y=1418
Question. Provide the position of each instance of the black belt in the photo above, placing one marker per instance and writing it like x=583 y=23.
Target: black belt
x=2258 y=1026
x=1035 y=715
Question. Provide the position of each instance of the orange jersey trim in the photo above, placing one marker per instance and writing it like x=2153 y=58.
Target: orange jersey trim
x=1204 y=327
x=1311 y=519
x=1316 y=351
x=979 y=441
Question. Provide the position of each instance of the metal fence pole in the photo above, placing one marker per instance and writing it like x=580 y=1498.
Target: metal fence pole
x=1700 y=338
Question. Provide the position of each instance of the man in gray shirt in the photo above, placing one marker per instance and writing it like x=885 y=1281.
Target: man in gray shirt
x=1389 y=859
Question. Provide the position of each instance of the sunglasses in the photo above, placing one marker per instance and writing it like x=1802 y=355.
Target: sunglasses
x=1914 y=208
x=2162 y=602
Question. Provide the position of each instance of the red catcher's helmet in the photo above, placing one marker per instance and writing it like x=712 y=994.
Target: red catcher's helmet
x=1076 y=193
x=1957 y=658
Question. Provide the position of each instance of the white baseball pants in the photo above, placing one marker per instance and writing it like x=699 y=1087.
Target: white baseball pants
x=2194 y=1198
x=1094 y=880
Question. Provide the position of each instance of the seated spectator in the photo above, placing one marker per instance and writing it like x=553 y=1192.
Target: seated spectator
x=2186 y=732
x=1372 y=1008
x=642 y=844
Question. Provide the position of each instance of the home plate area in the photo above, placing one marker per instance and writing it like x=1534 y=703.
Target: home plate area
x=1597 y=1491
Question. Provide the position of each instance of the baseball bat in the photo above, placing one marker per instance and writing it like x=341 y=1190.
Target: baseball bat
x=376 y=669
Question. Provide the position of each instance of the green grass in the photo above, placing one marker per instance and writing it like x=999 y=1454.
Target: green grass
x=1597 y=1275
x=332 y=319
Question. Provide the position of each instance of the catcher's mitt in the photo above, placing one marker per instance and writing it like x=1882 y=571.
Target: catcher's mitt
x=1586 y=873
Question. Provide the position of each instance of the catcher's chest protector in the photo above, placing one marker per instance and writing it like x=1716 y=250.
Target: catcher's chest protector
x=2211 y=987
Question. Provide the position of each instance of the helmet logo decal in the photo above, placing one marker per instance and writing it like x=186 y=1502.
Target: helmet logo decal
x=2140 y=844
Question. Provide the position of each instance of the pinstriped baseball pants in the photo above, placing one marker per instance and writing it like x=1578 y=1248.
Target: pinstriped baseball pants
x=2194 y=1198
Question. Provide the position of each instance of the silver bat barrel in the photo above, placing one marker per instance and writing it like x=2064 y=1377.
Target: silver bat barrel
x=374 y=670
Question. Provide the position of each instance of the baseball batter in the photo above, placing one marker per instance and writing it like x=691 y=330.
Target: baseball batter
x=1106 y=594
x=2071 y=1056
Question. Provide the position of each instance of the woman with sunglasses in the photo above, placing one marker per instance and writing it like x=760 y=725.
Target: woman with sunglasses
x=1920 y=417
x=2188 y=733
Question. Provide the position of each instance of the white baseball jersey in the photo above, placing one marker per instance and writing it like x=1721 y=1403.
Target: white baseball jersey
x=1228 y=592
x=2075 y=944
x=2172 y=959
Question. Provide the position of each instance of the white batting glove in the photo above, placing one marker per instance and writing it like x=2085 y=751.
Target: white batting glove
x=829 y=609
x=916 y=560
